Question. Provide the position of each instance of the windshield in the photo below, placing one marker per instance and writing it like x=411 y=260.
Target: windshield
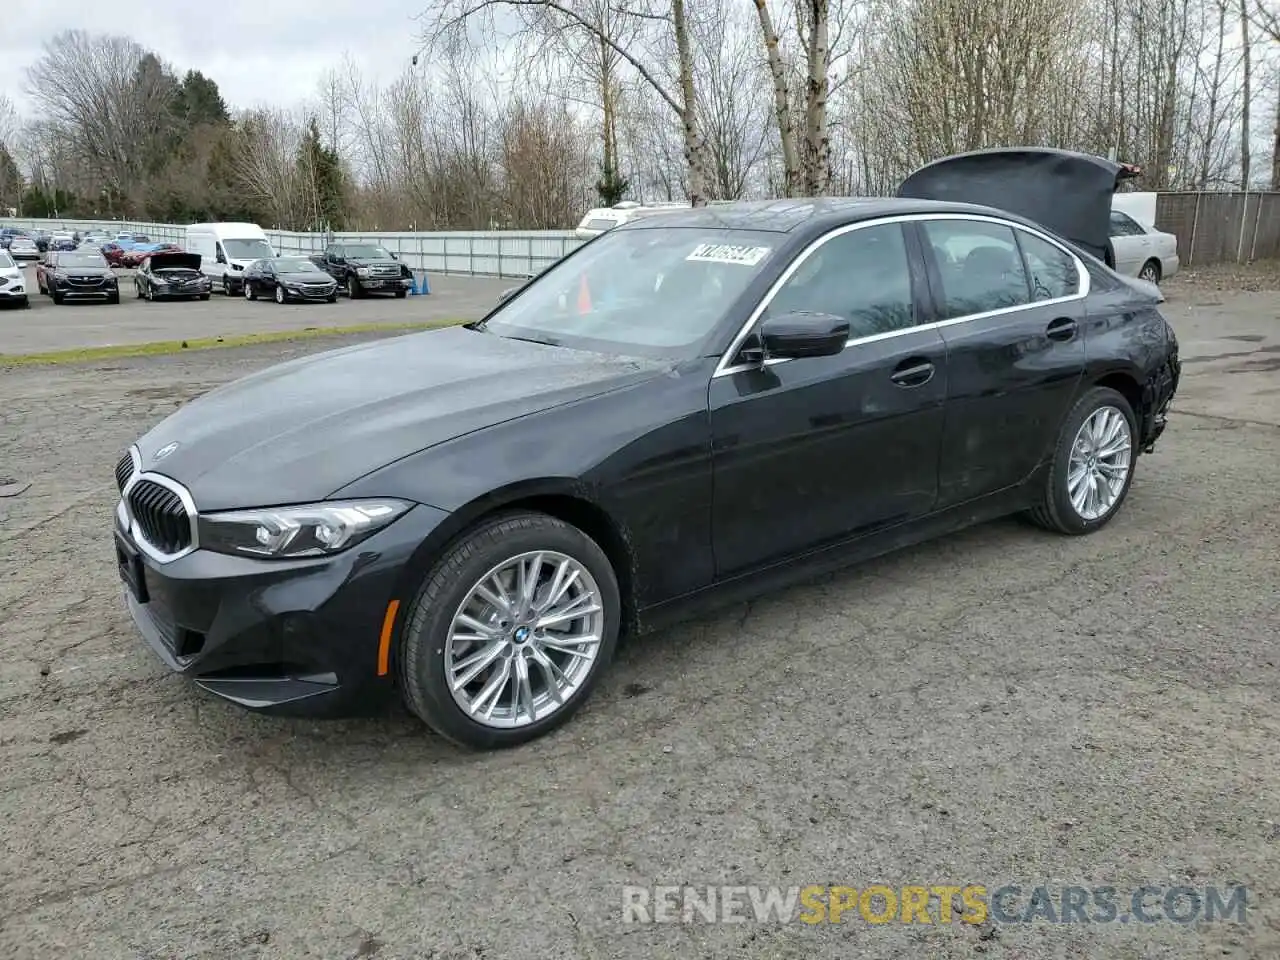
x=247 y=249
x=81 y=258
x=296 y=265
x=6 y=262
x=365 y=251
x=646 y=292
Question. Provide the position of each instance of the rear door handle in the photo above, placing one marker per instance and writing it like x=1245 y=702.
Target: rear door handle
x=1064 y=328
x=913 y=372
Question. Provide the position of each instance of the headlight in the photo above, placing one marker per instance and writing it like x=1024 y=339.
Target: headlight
x=312 y=530
x=60 y=276
x=362 y=271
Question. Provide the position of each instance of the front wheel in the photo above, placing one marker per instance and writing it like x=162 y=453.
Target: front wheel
x=353 y=288
x=1092 y=466
x=510 y=632
x=250 y=292
x=280 y=294
x=226 y=286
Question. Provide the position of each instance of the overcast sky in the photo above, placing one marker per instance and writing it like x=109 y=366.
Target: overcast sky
x=258 y=51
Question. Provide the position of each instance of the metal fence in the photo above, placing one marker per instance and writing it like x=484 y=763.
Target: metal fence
x=1211 y=228
x=482 y=254
x=1221 y=227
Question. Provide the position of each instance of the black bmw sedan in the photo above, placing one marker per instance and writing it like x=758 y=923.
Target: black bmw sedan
x=686 y=409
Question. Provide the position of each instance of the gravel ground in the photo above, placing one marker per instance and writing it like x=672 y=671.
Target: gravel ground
x=998 y=706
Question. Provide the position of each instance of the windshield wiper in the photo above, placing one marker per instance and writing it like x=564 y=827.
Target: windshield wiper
x=546 y=342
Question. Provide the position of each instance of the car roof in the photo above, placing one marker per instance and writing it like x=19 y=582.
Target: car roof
x=785 y=216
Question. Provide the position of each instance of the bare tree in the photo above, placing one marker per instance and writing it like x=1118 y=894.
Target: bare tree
x=447 y=25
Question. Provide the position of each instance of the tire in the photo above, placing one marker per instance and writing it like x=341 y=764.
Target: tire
x=353 y=288
x=1151 y=271
x=281 y=296
x=226 y=286
x=250 y=293
x=1056 y=511
x=57 y=298
x=137 y=290
x=149 y=293
x=24 y=303
x=401 y=294
x=421 y=667
x=114 y=298
x=333 y=297
x=204 y=296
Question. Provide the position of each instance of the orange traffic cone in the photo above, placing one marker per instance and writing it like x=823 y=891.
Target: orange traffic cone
x=584 y=297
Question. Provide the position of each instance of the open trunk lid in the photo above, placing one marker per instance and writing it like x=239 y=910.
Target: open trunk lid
x=1069 y=193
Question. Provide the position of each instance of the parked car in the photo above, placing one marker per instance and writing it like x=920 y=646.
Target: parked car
x=95 y=238
x=62 y=241
x=363 y=268
x=13 y=285
x=288 y=278
x=599 y=219
x=132 y=259
x=226 y=250
x=1142 y=251
x=69 y=275
x=8 y=233
x=171 y=275
x=43 y=239
x=23 y=249
x=114 y=253
x=680 y=412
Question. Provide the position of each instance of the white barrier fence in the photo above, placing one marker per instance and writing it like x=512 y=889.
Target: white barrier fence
x=497 y=253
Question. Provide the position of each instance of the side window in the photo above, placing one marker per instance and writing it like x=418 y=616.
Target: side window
x=980 y=264
x=218 y=251
x=1052 y=271
x=1123 y=225
x=863 y=275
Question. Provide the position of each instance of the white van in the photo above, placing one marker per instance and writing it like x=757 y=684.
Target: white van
x=225 y=250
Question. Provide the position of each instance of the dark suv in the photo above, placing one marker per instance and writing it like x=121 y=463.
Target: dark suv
x=362 y=268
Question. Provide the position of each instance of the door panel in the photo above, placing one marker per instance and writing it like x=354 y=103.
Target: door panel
x=1013 y=373
x=812 y=451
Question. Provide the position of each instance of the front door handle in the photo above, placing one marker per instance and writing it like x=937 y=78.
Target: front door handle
x=1064 y=328
x=913 y=372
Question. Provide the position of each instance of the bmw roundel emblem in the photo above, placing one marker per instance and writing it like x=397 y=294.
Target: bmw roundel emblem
x=164 y=451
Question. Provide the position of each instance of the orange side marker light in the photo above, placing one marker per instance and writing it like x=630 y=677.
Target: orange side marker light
x=384 y=644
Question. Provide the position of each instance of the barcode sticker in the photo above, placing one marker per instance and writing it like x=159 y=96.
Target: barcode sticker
x=728 y=253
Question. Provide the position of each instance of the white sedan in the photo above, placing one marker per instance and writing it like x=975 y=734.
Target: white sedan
x=1142 y=251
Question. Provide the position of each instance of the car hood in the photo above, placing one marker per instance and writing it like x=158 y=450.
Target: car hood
x=166 y=260
x=76 y=271
x=300 y=431
x=314 y=276
x=372 y=262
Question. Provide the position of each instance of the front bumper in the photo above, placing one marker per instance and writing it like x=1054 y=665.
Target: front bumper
x=384 y=284
x=314 y=293
x=291 y=637
x=181 y=292
x=69 y=290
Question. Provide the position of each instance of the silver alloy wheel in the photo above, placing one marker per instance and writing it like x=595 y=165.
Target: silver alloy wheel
x=524 y=639
x=279 y=294
x=248 y=293
x=1098 y=468
x=1149 y=273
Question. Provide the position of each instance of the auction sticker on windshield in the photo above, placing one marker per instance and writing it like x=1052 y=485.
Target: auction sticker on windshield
x=728 y=253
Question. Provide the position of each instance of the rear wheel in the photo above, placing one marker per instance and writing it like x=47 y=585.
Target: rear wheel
x=510 y=632
x=1092 y=466
x=1150 y=271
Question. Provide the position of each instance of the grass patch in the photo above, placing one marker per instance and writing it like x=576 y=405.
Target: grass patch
x=163 y=347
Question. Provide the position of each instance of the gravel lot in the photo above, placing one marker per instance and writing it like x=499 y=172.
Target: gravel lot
x=999 y=706
x=47 y=327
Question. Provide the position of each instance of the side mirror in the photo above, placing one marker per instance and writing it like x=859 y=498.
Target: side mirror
x=793 y=336
x=220 y=258
x=393 y=256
